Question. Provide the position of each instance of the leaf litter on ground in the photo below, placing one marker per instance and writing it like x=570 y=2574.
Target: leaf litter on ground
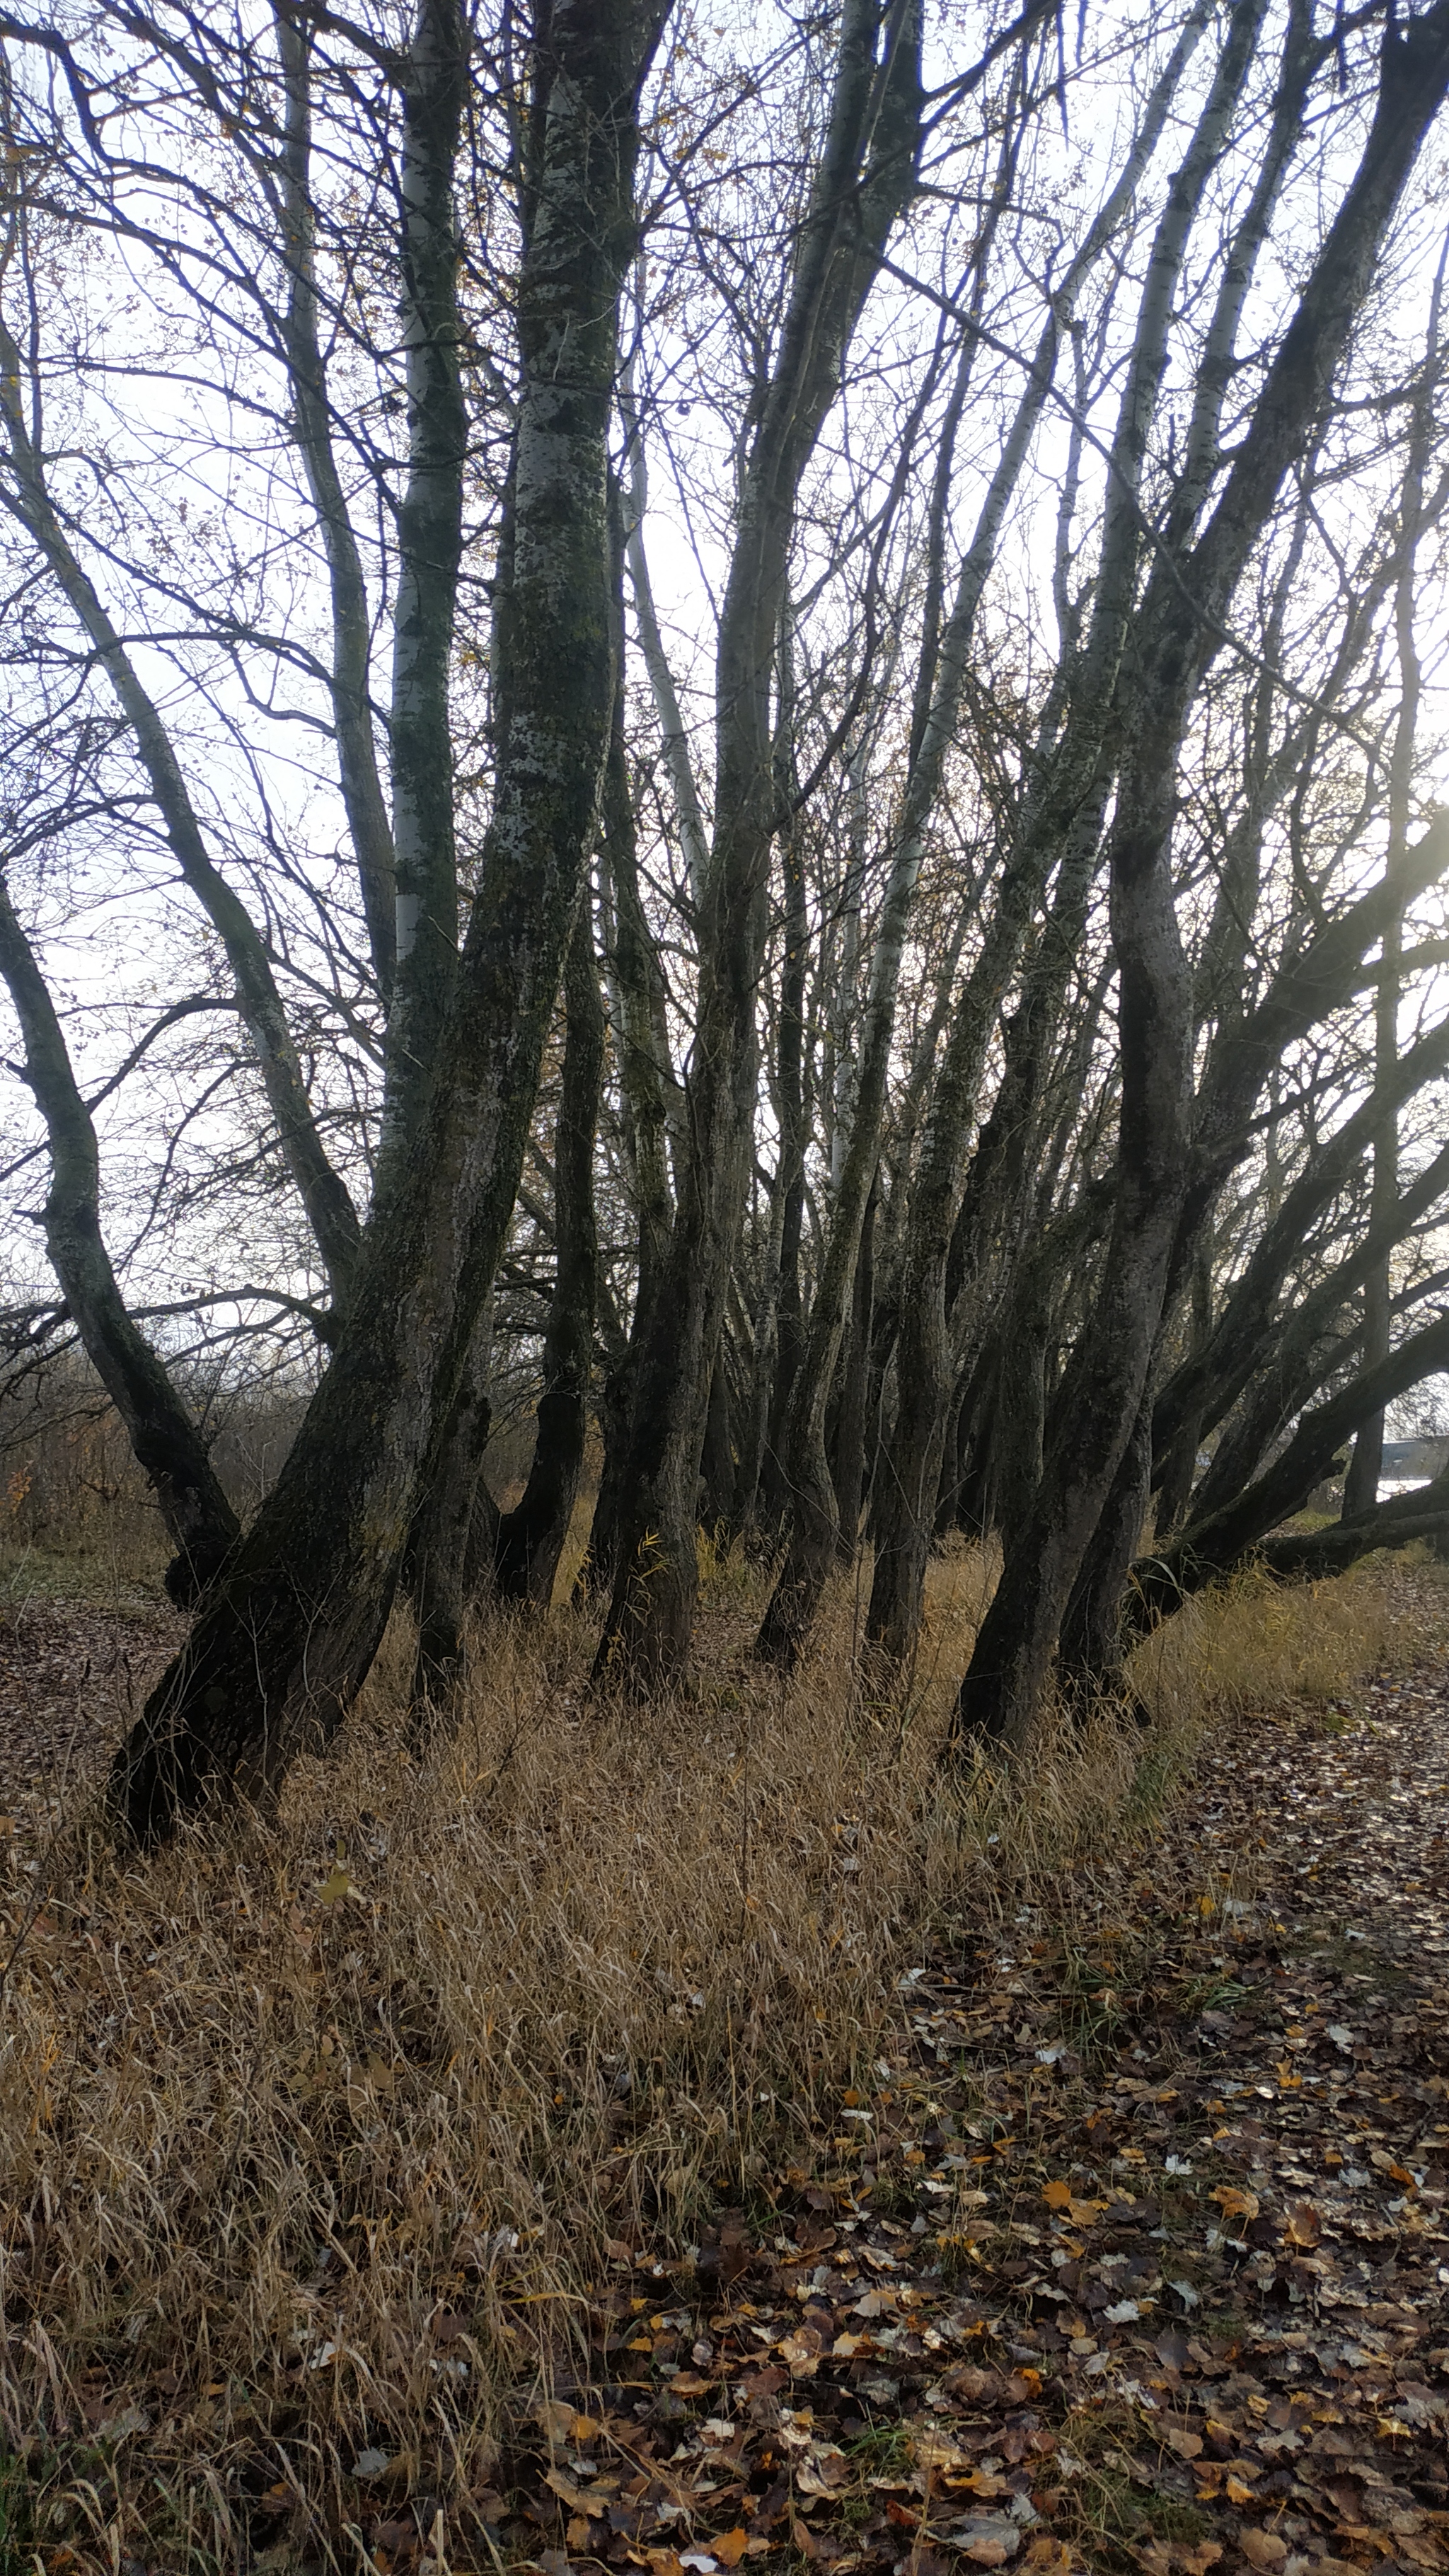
x=1134 y=2254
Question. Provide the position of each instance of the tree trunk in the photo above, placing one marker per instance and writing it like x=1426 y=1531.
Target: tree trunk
x=1361 y=1485
x=1210 y=1382
x=848 y=1464
x=907 y=1502
x=439 y=1568
x=1210 y=1547
x=1175 y=636
x=1091 y=1641
x=199 y=1521
x=646 y=1082
x=531 y=1537
x=776 y=1480
x=865 y=175
x=1019 y=1430
x=716 y=1509
x=284 y=1641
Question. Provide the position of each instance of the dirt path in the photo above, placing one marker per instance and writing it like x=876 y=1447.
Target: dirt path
x=1136 y=2255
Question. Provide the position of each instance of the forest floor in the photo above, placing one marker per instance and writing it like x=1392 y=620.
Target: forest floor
x=1127 y=2248
x=1199 y=2315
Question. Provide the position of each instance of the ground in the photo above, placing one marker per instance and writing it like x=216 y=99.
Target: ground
x=1130 y=2250
x=1183 y=2154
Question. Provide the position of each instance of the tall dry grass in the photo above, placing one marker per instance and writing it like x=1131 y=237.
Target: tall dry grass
x=1255 y=1642
x=314 y=2131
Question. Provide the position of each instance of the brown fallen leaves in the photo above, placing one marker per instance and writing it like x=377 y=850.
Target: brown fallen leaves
x=1139 y=2255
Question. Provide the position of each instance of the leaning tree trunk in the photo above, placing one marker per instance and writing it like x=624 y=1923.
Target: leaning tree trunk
x=848 y=1460
x=440 y=1566
x=1175 y=637
x=531 y=1537
x=1361 y=1485
x=903 y=1534
x=1214 y=1545
x=1061 y=809
x=865 y=176
x=646 y=1084
x=1091 y=1638
x=284 y=1640
x=1209 y=1383
x=199 y=1520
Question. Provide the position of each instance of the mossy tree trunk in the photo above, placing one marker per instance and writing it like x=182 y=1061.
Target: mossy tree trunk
x=531 y=1537
x=284 y=1641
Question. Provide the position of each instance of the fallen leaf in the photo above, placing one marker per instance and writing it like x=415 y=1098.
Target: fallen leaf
x=1263 y=2549
x=988 y=2539
x=1235 y=2203
x=565 y=2489
x=935 y=2450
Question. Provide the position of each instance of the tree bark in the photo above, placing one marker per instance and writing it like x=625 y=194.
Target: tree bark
x=531 y=1537
x=199 y=1521
x=648 y=1091
x=776 y=1494
x=1175 y=637
x=429 y=540
x=357 y=771
x=1211 y=1546
x=903 y=1532
x=865 y=176
x=1061 y=806
x=285 y=1639
x=441 y=1568
x=848 y=1463
x=1361 y=1484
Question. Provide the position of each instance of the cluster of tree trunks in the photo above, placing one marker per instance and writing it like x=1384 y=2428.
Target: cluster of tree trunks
x=1042 y=1276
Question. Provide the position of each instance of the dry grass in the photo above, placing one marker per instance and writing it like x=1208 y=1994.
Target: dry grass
x=312 y=2132
x=1255 y=1642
